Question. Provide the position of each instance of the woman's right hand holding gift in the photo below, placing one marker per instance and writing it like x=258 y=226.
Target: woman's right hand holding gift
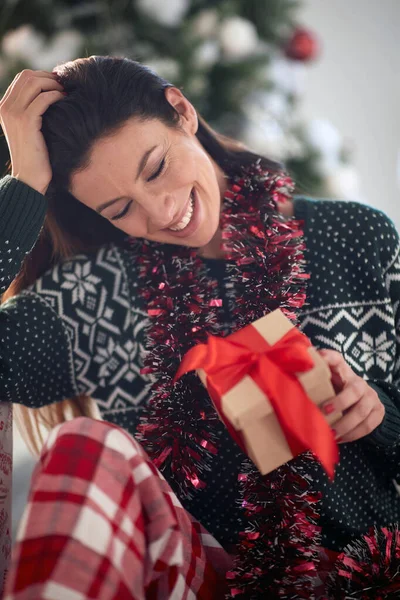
x=362 y=409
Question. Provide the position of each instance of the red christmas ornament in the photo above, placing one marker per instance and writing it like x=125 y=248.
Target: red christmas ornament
x=303 y=45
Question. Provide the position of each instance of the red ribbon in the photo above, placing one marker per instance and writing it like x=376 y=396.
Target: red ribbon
x=274 y=369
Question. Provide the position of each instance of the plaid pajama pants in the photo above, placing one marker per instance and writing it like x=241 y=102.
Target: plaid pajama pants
x=102 y=522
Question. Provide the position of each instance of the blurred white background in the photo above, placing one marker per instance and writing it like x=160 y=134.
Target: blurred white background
x=356 y=86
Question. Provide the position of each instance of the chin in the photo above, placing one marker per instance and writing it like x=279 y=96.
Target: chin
x=206 y=239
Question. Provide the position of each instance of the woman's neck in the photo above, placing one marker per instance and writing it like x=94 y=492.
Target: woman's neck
x=213 y=248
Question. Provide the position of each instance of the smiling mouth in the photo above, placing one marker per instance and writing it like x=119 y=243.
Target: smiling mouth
x=187 y=217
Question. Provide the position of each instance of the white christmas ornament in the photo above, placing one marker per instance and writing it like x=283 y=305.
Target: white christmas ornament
x=323 y=136
x=344 y=184
x=262 y=104
x=23 y=44
x=206 y=54
x=64 y=46
x=238 y=38
x=205 y=24
x=287 y=76
x=326 y=140
x=166 y=12
x=166 y=67
x=276 y=105
x=266 y=137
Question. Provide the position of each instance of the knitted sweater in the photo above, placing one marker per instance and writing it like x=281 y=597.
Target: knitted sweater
x=81 y=328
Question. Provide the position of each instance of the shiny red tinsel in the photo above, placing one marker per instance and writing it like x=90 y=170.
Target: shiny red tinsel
x=266 y=272
x=368 y=568
x=279 y=552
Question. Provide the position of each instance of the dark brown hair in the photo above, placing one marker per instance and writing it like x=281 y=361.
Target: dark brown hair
x=102 y=94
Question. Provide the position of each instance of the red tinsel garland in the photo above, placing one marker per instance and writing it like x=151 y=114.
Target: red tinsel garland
x=266 y=272
x=280 y=552
x=177 y=433
x=368 y=568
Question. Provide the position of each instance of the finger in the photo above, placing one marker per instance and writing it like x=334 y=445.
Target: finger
x=340 y=370
x=42 y=102
x=337 y=382
x=373 y=421
x=32 y=88
x=19 y=81
x=359 y=413
x=350 y=395
x=8 y=90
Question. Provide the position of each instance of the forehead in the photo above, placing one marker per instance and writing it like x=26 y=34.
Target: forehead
x=114 y=159
x=132 y=139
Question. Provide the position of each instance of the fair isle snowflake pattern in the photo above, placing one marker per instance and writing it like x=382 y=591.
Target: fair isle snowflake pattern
x=375 y=350
x=104 y=328
x=82 y=327
x=354 y=287
x=80 y=282
x=360 y=332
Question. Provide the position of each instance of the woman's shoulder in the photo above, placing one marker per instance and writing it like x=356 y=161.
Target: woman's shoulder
x=351 y=223
x=343 y=213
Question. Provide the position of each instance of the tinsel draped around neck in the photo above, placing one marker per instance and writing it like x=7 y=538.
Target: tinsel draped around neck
x=265 y=271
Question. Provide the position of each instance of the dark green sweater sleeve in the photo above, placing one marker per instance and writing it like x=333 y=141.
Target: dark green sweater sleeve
x=388 y=432
x=387 y=256
x=22 y=212
x=35 y=353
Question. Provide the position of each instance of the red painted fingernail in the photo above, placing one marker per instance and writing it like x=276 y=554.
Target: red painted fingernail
x=329 y=408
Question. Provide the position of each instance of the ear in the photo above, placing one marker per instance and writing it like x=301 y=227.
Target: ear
x=187 y=112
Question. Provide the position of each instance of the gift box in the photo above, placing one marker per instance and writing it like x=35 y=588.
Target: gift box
x=267 y=382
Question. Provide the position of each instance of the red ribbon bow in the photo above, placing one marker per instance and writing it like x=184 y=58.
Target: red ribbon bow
x=274 y=369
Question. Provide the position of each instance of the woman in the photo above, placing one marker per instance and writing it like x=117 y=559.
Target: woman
x=112 y=153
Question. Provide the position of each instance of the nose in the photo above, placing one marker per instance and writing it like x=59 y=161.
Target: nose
x=160 y=212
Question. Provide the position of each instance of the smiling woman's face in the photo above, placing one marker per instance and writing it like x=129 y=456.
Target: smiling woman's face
x=153 y=181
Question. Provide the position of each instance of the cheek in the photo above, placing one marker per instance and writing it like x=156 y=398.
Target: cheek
x=190 y=165
x=183 y=171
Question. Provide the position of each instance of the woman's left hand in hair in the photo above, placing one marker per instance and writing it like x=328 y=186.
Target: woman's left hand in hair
x=360 y=404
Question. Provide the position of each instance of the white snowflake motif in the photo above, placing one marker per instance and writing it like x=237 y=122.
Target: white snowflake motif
x=105 y=358
x=117 y=362
x=375 y=351
x=80 y=282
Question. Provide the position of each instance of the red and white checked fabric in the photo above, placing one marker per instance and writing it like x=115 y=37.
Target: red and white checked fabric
x=6 y=448
x=101 y=522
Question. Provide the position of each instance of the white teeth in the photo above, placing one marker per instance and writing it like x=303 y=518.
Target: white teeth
x=184 y=222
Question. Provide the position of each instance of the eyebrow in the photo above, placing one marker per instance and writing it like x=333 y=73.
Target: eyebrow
x=141 y=166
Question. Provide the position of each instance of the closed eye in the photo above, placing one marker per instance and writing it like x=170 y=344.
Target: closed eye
x=123 y=212
x=158 y=172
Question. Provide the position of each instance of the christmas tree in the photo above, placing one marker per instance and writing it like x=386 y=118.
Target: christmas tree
x=241 y=62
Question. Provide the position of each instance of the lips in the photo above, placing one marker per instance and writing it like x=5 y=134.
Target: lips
x=186 y=218
x=189 y=220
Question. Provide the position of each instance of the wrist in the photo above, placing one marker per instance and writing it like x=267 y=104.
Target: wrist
x=38 y=186
x=387 y=433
